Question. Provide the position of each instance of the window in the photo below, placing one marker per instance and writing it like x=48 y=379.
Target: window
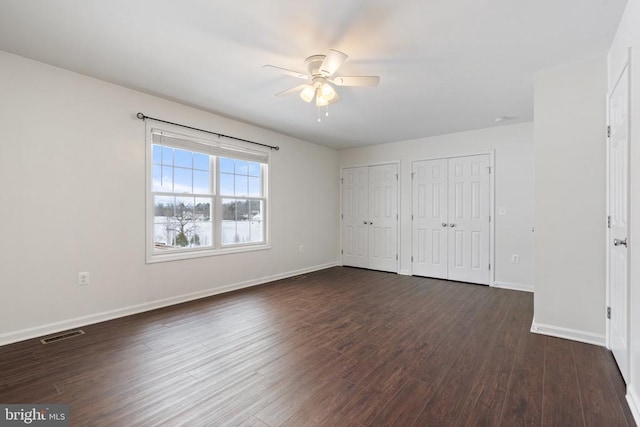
x=204 y=198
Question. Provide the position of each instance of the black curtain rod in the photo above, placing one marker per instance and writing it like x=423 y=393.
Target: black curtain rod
x=143 y=117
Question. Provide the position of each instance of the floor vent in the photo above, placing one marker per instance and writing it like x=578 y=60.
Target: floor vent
x=64 y=336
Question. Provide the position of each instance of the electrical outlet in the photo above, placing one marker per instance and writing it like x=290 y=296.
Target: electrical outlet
x=301 y=249
x=83 y=278
x=515 y=259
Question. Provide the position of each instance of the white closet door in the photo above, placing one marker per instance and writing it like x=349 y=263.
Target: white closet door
x=355 y=217
x=383 y=217
x=430 y=222
x=468 y=248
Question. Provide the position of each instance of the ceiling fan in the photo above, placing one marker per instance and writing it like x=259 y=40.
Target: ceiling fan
x=321 y=80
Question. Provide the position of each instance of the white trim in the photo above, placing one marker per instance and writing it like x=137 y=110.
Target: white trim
x=38 y=331
x=404 y=272
x=513 y=286
x=567 y=333
x=634 y=403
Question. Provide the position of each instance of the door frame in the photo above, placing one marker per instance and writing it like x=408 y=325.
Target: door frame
x=624 y=66
x=399 y=222
x=492 y=229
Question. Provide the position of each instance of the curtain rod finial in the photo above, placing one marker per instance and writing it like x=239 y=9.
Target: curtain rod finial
x=140 y=116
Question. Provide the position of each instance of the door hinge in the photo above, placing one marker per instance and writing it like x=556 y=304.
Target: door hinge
x=396 y=217
x=411 y=217
x=342 y=180
x=412 y=174
x=396 y=177
x=396 y=257
x=608 y=221
x=341 y=251
x=341 y=216
x=411 y=258
x=489 y=218
x=489 y=168
x=608 y=312
x=489 y=266
x=608 y=131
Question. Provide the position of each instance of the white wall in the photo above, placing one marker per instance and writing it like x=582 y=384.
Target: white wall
x=570 y=174
x=72 y=168
x=513 y=147
x=628 y=35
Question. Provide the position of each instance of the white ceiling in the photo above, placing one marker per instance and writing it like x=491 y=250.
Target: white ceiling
x=445 y=65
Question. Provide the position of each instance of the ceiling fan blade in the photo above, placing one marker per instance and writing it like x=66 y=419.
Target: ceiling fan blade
x=290 y=91
x=357 y=81
x=292 y=73
x=332 y=62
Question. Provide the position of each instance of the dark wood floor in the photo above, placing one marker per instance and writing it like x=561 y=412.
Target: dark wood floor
x=338 y=347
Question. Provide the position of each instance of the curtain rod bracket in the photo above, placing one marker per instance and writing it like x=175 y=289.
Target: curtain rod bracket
x=219 y=135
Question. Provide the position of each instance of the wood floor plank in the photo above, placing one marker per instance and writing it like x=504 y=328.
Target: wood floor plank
x=595 y=389
x=337 y=347
x=561 y=400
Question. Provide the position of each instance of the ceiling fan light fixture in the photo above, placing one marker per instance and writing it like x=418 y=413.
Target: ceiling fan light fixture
x=307 y=93
x=327 y=91
x=321 y=100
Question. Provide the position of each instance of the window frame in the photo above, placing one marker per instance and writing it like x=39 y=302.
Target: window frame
x=204 y=139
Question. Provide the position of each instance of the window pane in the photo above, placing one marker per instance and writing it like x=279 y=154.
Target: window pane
x=255 y=189
x=257 y=222
x=183 y=180
x=166 y=180
x=182 y=158
x=201 y=182
x=163 y=232
x=156 y=181
x=167 y=156
x=157 y=154
x=242 y=167
x=226 y=165
x=229 y=209
x=242 y=186
x=228 y=221
x=242 y=221
x=227 y=184
x=201 y=161
x=203 y=227
x=254 y=169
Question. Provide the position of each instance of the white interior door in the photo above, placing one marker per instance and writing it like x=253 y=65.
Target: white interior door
x=451 y=228
x=469 y=219
x=430 y=221
x=383 y=217
x=370 y=217
x=618 y=277
x=355 y=217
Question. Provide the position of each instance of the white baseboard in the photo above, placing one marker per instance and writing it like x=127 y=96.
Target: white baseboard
x=634 y=403
x=513 y=286
x=566 y=333
x=404 y=272
x=52 y=328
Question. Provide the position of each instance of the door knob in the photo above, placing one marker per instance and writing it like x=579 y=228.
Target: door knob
x=452 y=225
x=364 y=222
x=618 y=242
x=444 y=224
